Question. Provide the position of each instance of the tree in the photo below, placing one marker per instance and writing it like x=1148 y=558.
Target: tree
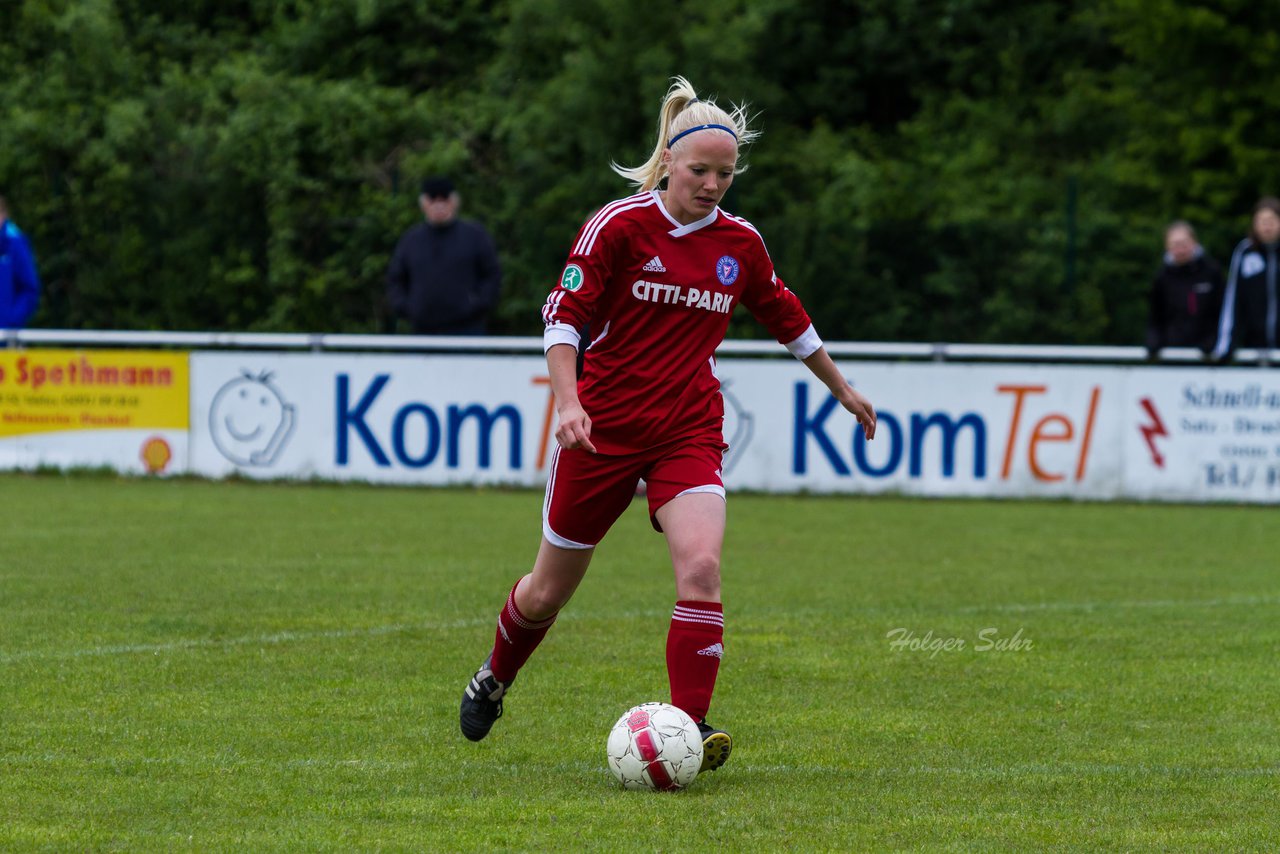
x=963 y=170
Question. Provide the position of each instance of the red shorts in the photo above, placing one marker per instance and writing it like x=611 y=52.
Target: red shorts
x=586 y=493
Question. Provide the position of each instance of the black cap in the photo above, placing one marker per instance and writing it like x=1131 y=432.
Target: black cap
x=437 y=187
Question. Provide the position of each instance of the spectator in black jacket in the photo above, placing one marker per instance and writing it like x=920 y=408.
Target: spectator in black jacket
x=1186 y=295
x=1250 y=305
x=444 y=277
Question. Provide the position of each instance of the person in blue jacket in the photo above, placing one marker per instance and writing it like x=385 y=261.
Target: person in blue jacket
x=19 y=282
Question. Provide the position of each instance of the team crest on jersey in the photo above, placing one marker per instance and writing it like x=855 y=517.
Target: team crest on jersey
x=727 y=270
x=571 y=278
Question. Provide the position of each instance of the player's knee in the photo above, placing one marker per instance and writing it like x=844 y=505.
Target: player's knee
x=545 y=600
x=699 y=577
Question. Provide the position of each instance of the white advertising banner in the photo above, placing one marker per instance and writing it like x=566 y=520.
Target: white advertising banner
x=395 y=419
x=1202 y=435
x=944 y=429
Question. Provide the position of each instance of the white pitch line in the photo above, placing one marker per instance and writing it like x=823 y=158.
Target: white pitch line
x=1025 y=770
x=205 y=763
x=250 y=640
x=283 y=637
x=826 y=770
x=474 y=622
x=1226 y=601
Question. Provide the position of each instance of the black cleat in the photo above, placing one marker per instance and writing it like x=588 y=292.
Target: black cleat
x=716 y=746
x=482 y=703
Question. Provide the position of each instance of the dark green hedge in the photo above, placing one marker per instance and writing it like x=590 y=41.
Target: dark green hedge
x=961 y=170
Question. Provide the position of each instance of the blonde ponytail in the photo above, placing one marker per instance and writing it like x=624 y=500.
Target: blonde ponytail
x=683 y=111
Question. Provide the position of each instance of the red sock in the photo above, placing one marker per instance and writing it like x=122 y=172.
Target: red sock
x=695 y=645
x=516 y=639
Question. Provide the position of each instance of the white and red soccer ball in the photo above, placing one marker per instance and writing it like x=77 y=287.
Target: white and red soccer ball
x=655 y=746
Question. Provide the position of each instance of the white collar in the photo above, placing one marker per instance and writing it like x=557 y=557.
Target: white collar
x=681 y=229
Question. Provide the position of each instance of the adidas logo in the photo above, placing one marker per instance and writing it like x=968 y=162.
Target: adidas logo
x=654 y=266
x=716 y=649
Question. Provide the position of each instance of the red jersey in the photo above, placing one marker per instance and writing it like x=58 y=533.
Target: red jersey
x=656 y=296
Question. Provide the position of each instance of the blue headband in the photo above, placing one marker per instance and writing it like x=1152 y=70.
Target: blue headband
x=685 y=133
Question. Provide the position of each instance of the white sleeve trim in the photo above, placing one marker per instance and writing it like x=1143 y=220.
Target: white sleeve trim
x=560 y=333
x=806 y=345
x=1227 y=319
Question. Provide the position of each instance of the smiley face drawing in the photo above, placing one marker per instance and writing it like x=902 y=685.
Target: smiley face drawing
x=250 y=421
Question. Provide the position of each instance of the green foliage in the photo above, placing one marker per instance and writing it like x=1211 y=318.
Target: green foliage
x=961 y=170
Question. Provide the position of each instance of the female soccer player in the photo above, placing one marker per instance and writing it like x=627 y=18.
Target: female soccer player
x=655 y=276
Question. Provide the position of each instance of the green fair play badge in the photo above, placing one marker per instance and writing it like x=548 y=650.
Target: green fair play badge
x=571 y=278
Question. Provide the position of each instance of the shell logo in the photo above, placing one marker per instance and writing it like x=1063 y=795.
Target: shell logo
x=156 y=454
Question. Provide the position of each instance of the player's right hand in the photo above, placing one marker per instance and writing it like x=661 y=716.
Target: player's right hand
x=575 y=429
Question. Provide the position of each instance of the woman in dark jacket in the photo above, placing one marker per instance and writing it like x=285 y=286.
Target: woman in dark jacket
x=1186 y=295
x=1250 y=305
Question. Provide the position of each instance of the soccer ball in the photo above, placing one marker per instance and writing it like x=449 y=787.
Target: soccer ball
x=655 y=746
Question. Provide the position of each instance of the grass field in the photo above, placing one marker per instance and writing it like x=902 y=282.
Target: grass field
x=248 y=667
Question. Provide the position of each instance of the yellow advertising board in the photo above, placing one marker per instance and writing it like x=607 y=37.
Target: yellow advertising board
x=49 y=391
